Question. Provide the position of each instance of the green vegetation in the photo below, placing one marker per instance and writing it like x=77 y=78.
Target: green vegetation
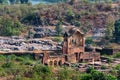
x=117 y=55
x=109 y=27
x=59 y=28
x=57 y=39
x=9 y=27
x=117 y=31
x=27 y=15
x=89 y=41
x=17 y=67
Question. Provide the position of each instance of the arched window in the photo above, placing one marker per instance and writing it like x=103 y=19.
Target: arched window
x=50 y=63
x=55 y=63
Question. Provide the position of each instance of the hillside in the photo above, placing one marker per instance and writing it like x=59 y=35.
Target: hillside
x=84 y=15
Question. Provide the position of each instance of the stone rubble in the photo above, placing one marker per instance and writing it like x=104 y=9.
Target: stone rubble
x=13 y=44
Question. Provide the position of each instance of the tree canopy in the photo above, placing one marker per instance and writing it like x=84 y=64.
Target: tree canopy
x=117 y=31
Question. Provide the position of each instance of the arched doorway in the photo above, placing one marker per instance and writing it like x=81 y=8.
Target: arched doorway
x=55 y=63
x=77 y=56
x=41 y=56
x=66 y=58
x=51 y=63
x=60 y=63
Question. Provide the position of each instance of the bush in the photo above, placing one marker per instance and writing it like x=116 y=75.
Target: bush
x=42 y=71
x=11 y=57
x=70 y=15
x=28 y=62
x=86 y=77
x=97 y=75
x=117 y=55
x=89 y=69
x=19 y=59
x=57 y=39
x=2 y=72
x=103 y=67
x=17 y=77
x=89 y=40
x=8 y=65
x=118 y=67
x=109 y=60
x=65 y=74
x=10 y=27
x=76 y=23
x=32 y=19
x=2 y=58
x=110 y=77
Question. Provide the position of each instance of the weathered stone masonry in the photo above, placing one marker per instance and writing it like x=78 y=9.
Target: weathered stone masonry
x=72 y=50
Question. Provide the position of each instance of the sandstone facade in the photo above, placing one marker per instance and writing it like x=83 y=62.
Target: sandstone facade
x=72 y=50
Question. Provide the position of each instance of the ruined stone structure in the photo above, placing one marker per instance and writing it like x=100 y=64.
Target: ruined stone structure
x=73 y=45
x=72 y=50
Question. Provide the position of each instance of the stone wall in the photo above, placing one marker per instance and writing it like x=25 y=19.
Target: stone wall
x=89 y=56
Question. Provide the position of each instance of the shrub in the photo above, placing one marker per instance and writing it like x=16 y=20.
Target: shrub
x=89 y=69
x=97 y=75
x=109 y=60
x=8 y=65
x=117 y=55
x=27 y=62
x=43 y=71
x=17 y=77
x=27 y=57
x=86 y=77
x=118 y=67
x=59 y=28
x=89 y=40
x=57 y=39
x=11 y=57
x=2 y=72
x=103 y=67
x=64 y=74
x=19 y=59
x=76 y=23
x=70 y=15
x=110 y=77
x=10 y=27
x=32 y=19
x=2 y=58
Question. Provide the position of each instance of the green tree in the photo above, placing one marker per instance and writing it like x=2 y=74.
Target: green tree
x=86 y=77
x=64 y=74
x=118 y=74
x=89 y=41
x=117 y=31
x=97 y=75
x=59 y=28
x=109 y=27
x=70 y=16
x=43 y=71
x=9 y=27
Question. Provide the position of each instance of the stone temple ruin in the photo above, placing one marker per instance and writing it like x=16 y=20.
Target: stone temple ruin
x=72 y=51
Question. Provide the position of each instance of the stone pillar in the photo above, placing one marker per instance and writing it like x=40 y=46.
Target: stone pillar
x=83 y=41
